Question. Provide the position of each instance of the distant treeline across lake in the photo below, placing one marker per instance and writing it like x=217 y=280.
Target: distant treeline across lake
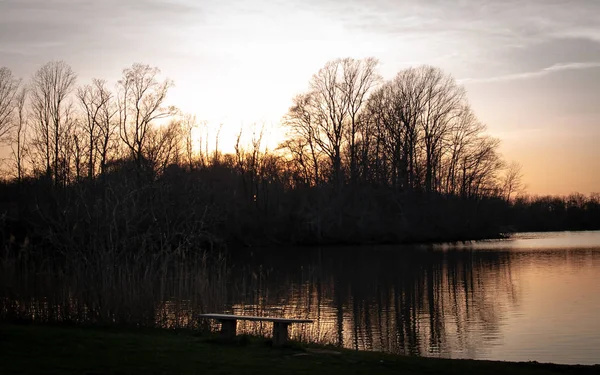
x=365 y=160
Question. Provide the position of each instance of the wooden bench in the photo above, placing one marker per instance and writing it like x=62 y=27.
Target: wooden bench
x=229 y=325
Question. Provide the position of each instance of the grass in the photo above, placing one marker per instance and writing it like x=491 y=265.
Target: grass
x=29 y=349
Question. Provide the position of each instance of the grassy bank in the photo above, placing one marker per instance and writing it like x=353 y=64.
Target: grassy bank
x=37 y=349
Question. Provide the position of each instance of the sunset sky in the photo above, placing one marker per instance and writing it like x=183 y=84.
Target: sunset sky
x=531 y=68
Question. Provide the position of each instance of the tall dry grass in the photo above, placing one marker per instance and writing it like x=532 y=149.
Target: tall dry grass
x=124 y=252
x=159 y=291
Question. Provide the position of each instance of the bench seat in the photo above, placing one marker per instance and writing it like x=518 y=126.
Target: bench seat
x=229 y=325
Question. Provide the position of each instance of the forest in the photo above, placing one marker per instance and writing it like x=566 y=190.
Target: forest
x=89 y=168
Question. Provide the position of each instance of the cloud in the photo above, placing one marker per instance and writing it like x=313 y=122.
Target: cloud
x=535 y=74
x=34 y=22
x=92 y=34
x=473 y=27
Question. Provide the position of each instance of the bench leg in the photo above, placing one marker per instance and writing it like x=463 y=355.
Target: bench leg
x=280 y=333
x=228 y=328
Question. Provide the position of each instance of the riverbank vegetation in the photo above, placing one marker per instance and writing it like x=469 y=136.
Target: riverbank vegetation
x=365 y=161
x=70 y=350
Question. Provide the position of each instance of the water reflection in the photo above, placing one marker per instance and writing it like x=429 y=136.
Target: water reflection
x=409 y=301
x=544 y=241
x=524 y=299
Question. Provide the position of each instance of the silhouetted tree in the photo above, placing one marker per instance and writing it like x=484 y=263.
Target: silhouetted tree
x=141 y=99
x=188 y=125
x=443 y=101
x=466 y=133
x=359 y=79
x=9 y=86
x=164 y=146
x=513 y=180
x=301 y=121
x=52 y=115
x=99 y=126
x=18 y=137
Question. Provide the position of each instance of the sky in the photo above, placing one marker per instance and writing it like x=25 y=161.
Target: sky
x=531 y=68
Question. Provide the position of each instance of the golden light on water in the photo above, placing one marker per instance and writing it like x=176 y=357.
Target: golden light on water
x=531 y=298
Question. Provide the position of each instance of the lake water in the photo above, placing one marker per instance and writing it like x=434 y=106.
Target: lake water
x=534 y=297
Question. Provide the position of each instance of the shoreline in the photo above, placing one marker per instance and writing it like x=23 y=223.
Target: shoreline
x=29 y=349
x=236 y=246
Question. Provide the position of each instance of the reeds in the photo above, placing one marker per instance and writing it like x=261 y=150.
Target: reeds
x=163 y=290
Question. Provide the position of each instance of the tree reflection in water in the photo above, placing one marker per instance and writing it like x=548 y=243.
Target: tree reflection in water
x=504 y=300
x=401 y=300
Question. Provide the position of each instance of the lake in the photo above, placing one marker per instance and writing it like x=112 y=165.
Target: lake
x=534 y=297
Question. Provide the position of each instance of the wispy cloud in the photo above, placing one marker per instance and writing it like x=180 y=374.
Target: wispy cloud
x=32 y=22
x=497 y=18
x=535 y=74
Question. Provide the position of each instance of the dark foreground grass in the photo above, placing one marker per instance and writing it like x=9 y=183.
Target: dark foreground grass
x=59 y=350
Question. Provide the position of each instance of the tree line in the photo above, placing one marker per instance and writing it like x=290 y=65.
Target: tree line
x=365 y=160
x=67 y=132
x=415 y=132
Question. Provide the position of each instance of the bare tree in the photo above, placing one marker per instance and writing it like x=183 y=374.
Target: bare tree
x=50 y=89
x=417 y=131
x=19 y=134
x=77 y=150
x=216 y=154
x=327 y=117
x=109 y=129
x=141 y=102
x=9 y=86
x=298 y=163
x=414 y=132
x=359 y=78
x=443 y=101
x=200 y=138
x=374 y=150
x=386 y=112
x=402 y=103
x=97 y=103
x=189 y=124
x=164 y=146
x=513 y=180
x=331 y=114
x=248 y=161
x=465 y=133
x=302 y=126
x=479 y=167
x=71 y=150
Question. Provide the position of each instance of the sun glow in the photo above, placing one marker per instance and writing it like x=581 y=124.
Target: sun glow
x=239 y=64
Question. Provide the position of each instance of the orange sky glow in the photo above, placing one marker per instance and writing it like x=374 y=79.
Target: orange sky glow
x=531 y=70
